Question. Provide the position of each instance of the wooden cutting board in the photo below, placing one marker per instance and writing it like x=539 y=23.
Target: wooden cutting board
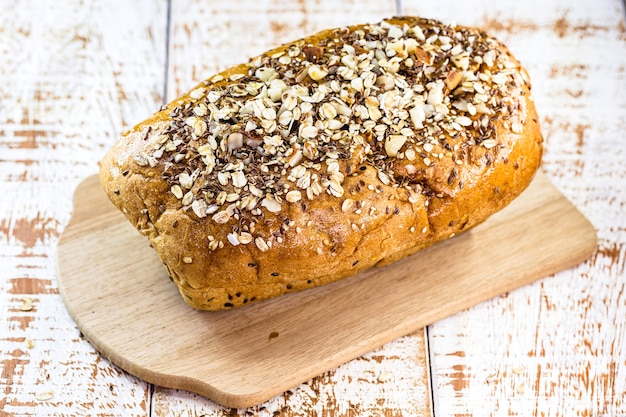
x=118 y=293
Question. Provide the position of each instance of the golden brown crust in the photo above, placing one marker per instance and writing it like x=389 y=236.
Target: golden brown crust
x=377 y=141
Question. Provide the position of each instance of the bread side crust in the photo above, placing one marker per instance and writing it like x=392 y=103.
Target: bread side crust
x=326 y=238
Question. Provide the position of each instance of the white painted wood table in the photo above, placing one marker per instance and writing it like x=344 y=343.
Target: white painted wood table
x=74 y=74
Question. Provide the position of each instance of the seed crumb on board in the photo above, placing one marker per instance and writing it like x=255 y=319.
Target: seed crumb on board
x=27 y=304
x=518 y=370
x=43 y=396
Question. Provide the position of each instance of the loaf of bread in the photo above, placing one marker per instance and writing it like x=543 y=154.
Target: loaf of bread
x=329 y=155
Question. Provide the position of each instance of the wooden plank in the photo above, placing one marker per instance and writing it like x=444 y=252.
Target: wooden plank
x=74 y=75
x=385 y=382
x=207 y=37
x=556 y=348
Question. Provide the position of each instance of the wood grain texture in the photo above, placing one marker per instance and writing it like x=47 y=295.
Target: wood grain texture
x=74 y=74
x=558 y=347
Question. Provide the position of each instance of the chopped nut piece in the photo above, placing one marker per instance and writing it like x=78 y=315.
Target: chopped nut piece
x=394 y=143
x=316 y=72
x=313 y=53
x=394 y=32
x=276 y=89
x=266 y=74
x=461 y=61
x=235 y=141
x=271 y=204
x=418 y=116
x=453 y=79
x=423 y=56
x=435 y=95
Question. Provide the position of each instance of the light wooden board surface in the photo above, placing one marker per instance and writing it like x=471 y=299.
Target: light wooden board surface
x=76 y=73
x=117 y=291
